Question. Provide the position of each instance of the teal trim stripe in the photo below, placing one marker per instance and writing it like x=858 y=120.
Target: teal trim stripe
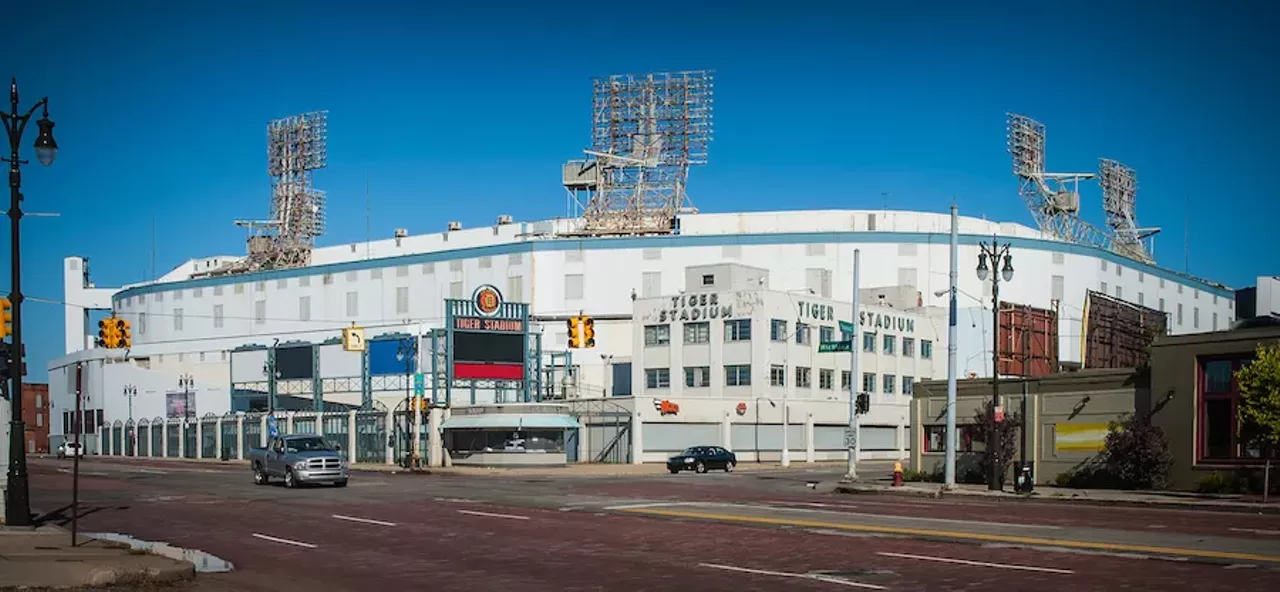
x=653 y=242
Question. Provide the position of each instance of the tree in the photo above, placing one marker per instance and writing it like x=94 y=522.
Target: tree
x=1260 y=395
x=1006 y=435
x=1136 y=455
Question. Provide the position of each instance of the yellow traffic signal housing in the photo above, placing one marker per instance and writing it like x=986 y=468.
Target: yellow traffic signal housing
x=125 y=333
x=6 y=318
x=106 y=333
x=575 y=332
x=588 y=332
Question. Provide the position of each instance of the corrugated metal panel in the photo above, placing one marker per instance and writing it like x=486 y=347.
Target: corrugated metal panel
x=1028 y=340
x=1117 y=333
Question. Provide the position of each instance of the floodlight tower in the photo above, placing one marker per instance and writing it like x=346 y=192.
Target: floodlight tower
x=1052 y=198
x=647 y=131
x=1119 y=199
x=296 y=146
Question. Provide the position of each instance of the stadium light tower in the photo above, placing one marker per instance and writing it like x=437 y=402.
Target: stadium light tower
x=1119 y=185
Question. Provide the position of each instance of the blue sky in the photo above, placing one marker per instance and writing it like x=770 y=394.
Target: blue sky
x=465 y=113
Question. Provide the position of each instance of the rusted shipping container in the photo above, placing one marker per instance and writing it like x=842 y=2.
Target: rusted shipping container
x=1028 y=343
x=1116 y=333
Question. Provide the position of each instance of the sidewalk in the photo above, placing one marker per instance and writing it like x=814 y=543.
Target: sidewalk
x=44 y=558
x=1049 y=493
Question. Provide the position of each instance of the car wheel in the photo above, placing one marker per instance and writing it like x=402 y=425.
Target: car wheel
x=674 y=471
x=342 y=483
x=728 y=467
x=701 y=467
x=260 y=476
x=289 y=480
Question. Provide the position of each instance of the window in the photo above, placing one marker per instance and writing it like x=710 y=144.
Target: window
x=648 y=254
x=1195 y=294
x=353 y=276
x=908 y=383
x=1179 y=288
x=1162 y=309
x=1120 y=292
x=1104 y=264
x=239 y=289
x=1195 y=317
x=1104 y=288
x=777 y=330
x=868 y=382
x=177 y=319
x=217 y=316
x=845 y=375
x=428 y=268
x=455 y=289
x=657 y=335
x=402 y=300
x=935 y=438
x=1057 y=287
x=802 y=333
x=1179 y=314
x=804 y=377
x=926 y=349
x=303 y=282
x=826 y=333
x=826 y=378
x=455 y=265
x=777 y=375
x=697 y=332
x=217 y=290
x=260 y=312
x=575 y=256
x=304 y=308
x=1215 y=321
x=697 y=376
x=869 y=343
x=1162 y=283
x=1142 y=299
x=1222 y=436
x=889 y=384
x=177 y=295
x=1057 y=259
x=327 y=279
x=282 y=284
x=402 y=271
x=651 y=284
x=655 y=378
x=515 y=288
x=1142 y=277
x=737 y=330
x=39 y=401
x=159 y=296
x=909 y=347
x=375 y=273
x=353 y=304
x=889 y=342
x=1118 y=270
x=515 y=259
x=708 y=279
x=573 y=286
x=486 y=262
x=737 y=375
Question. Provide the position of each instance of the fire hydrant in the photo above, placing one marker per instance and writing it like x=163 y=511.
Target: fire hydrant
x=897 y=474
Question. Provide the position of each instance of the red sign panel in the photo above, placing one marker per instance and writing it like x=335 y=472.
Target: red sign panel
x=488 y=371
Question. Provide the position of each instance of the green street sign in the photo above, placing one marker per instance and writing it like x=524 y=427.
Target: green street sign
x=825 y=347
x=419 y=384
x=846 y=327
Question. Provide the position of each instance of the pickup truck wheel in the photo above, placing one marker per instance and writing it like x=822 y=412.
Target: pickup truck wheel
x=342 y=483
x=289 y=480
x=260 y=476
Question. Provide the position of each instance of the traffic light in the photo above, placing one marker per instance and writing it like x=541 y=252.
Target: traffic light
x=6 y=324
x=106 y=333
x=863 y=405
x=575 y=331
x=588 y=332
x=125 y=333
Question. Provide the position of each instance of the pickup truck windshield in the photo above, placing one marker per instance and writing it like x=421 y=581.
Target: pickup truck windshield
x=306 y=444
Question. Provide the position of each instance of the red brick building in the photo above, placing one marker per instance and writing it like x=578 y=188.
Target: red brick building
x=35 y=414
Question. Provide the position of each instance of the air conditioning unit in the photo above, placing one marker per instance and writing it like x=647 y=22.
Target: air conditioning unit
x=402 y=232
x=504 y=219
x=455 y=226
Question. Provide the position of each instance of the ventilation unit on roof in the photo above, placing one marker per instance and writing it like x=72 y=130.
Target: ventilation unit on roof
x=402 y=232
x=455 y=226
x=504 y=219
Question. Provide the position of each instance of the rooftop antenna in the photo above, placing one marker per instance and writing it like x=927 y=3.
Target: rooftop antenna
x=647 y=131
x=1119 y=185
x=368 y=225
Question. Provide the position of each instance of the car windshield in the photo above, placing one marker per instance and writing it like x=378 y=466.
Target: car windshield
x=692 y=451
x=307 y=444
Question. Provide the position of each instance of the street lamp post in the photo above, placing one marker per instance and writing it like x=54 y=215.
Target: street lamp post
x=996 y=253
x=131 y=391
x=18 y=502
x=406 y=351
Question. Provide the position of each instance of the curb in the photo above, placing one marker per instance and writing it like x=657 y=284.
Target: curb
x=1236 y=508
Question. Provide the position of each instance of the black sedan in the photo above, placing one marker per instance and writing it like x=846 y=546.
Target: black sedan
x=702 y=459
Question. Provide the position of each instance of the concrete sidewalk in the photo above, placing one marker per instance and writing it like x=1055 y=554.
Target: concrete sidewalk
x=43 y=557
x=1106 y=497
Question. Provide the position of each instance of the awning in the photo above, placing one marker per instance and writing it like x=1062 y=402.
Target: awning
x=532 y=421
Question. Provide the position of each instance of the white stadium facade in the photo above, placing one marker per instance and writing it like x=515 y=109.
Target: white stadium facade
x=198 y=328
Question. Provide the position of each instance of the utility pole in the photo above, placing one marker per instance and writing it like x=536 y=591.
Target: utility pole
x=952 y=440
x=851 y=438
x=77 y=426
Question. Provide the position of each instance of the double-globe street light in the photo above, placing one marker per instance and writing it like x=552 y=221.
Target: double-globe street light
x=996 y=253
x=18 y=500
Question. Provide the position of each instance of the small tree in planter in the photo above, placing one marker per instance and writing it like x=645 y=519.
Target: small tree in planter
x=1259 y=382
x=1136 y=455
x=1006 y=439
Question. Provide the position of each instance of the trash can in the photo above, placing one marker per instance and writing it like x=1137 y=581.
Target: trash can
x=1025 y=479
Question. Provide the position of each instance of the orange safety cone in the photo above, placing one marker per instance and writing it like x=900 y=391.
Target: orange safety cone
x=897 y=474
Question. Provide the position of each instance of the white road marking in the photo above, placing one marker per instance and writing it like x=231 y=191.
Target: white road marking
x=917 y=518
x=454 y=500
x=285 y=541
x=365 y=520
x=671 y=504
x=978 y=563
x=820 y=578
x=492 y=515
x=1255 y=531
x=153 y=471
x=813 y=504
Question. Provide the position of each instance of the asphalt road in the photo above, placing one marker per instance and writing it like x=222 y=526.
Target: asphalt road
x=762 y=531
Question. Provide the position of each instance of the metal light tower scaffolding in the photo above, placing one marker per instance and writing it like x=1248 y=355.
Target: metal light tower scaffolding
x=647 y=130
x=1119 y=199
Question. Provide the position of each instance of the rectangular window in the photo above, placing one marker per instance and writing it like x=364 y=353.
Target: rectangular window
x=909 y=347
x=304 y=281
x=515 y=259
x=1215 y=321
x=177 y=319
x=402 y=271
x=260 y=312
x=845 y=375
x=737 y=375
x=282 y=284
x=890 y=384
x=573 y=286
x=777 y=330
x=1118 y=270
x=908 y=383
x=402 y=300
x=159 y=296
x=889 y=342
x=239 y=289
x=375 y=273
x=455 y=289
x=1179 y=314
x=353 y=276
x=708 y=279
x=177 y=295
x=1142 y=277
x=1057 y=287
x=575 y=256
x=826 y=333
x=656 y=378
x=217 y=316
x=486 y=262
x=1179 y=288
x=803 y=377
x=802 y=333
x=1104 y=288
x=39 y=420
x=737 y=330
x=1120 y=292
x=697 y=332
x=697 y=376
x=868 y=382
x=1104 y=264
x=1142 y=299
x=1162 y=309
x=926 y=349
x=869 y=343
x=651 y=284
x=1195 y=294
x=353 y=304
x=826 y=378
x=428 y=268
x=515 y=288
x=1195 y=317
x=777 y=375
x=935 y=438
x=217 y=290
x=657 y=335
x=304 y=308
x=327 y=279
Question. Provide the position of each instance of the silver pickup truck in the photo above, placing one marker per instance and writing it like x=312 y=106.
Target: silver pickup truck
x=299 y=459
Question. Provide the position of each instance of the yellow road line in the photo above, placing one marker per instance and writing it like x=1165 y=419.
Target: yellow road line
x=1001 y=538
